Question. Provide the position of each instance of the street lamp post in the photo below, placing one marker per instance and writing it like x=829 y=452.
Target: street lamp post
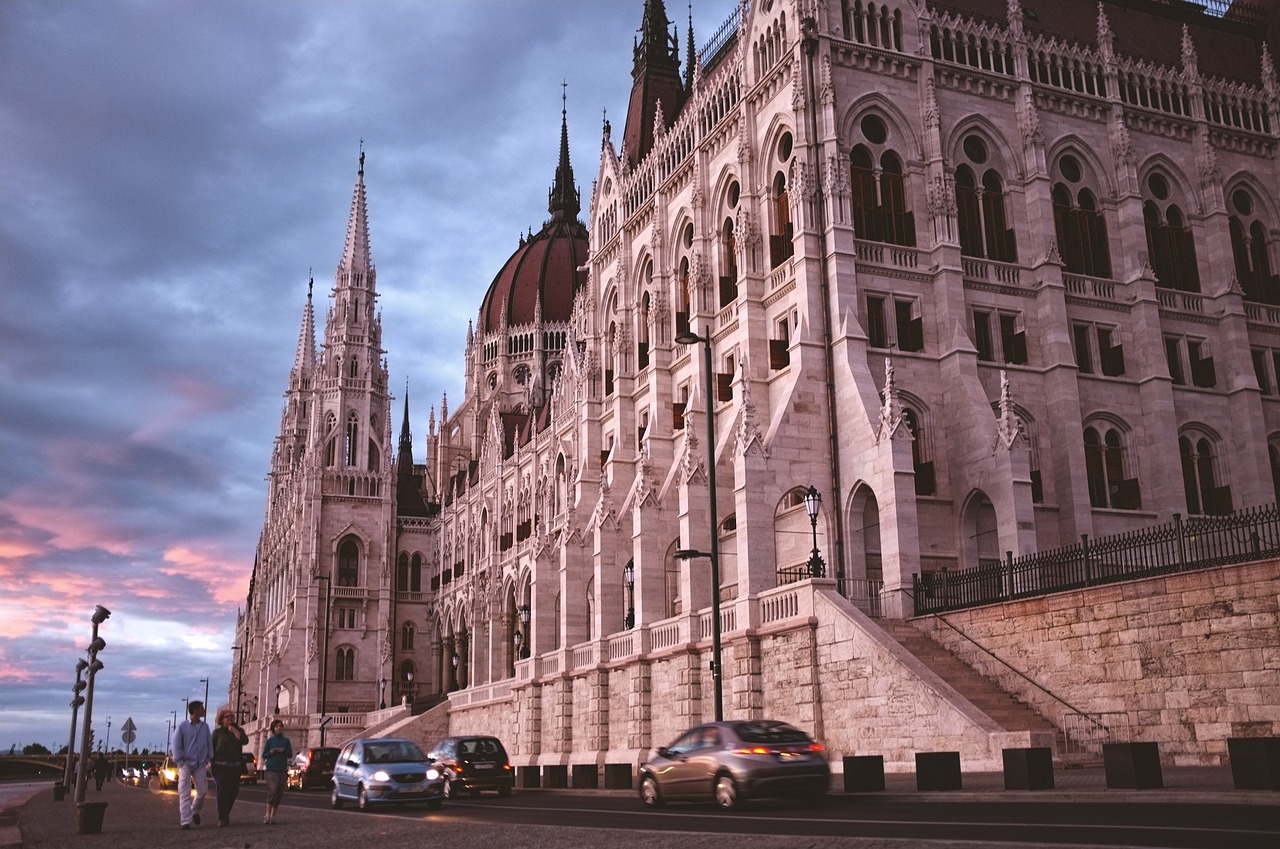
x=97 y=644
x=205 y=681
x=106 y=744
x=812 y=504
x=688 y=338
x=279 y=687
x=629 y=578
x=76 y=701
x=526 y=644
x=382 y=698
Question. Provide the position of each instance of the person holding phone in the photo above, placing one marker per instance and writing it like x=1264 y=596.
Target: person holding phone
x=276 y=754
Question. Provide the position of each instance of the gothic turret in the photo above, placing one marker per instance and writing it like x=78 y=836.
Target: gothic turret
x=655 y=79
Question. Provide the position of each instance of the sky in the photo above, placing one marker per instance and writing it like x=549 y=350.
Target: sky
x=171 y=173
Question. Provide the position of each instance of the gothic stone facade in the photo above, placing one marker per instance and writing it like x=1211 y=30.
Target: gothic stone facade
x=986 y=285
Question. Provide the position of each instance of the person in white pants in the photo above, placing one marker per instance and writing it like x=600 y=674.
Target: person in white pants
x=192 y=750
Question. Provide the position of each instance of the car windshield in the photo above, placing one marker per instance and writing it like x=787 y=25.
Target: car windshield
x=324 y=758
x=392 y=751
x=769 y=732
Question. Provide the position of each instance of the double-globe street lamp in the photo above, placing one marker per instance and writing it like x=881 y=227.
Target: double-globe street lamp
x=688 y=337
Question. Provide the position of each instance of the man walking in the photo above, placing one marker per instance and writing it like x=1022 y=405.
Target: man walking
x=192 y=750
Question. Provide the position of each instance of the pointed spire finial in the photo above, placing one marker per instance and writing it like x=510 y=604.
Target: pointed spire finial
x=362 y=157
x=563 y=200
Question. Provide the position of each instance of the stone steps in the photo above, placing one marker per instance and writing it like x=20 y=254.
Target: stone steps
x=1003 y=709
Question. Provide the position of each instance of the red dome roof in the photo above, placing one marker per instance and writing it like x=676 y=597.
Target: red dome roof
x=544 y=270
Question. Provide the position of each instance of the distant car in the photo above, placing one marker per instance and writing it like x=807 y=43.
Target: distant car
x=249 y=775
x=473 y=764
x=168 y=774
x=385 y=770
x=727 y=762
x=312 y=767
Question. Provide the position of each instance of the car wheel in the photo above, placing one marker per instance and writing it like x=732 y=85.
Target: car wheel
x=447 y=790
x=726 y=792
x=650 y=795
x=434 y=804
x=504 y=792
x=335 y=801
x=362 y=798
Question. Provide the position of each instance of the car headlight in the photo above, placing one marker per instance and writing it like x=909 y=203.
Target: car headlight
x=433 y=774
x=381 y=775
x=170 y=775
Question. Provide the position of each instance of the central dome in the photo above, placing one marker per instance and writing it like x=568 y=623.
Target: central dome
x=543 y=272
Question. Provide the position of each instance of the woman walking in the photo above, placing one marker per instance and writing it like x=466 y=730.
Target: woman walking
x=276 y=755
x=228 y=762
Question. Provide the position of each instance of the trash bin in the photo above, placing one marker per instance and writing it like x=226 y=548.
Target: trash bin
x=59 y=791
x=89 y=817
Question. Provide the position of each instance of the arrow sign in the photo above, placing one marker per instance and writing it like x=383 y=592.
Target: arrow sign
x=128 y=725
x=127 y=732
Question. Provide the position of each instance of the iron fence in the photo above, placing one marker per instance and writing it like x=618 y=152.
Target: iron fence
x=1179 y=546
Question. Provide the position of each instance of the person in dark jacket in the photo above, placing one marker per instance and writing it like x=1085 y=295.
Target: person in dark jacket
x=228 y=762
x=100 y=769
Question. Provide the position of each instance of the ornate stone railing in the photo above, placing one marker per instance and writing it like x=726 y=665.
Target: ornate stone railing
x=1089 y=287
x=890 y=256
x=1184 y=301
x=988 y=269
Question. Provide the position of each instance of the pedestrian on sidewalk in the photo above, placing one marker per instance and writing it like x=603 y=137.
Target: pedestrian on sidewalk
x=100 y=769
x=276 y=755
x=192 y=748
x=229 y=740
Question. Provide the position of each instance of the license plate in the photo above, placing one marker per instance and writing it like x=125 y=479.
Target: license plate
x=792 y=756
x=410 y=789
x=482 y=765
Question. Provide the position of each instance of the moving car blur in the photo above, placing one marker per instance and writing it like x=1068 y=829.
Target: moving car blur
x=727 y=762
x=249 y=774
x=311 y=767
x=385 y=770
x=473 y=764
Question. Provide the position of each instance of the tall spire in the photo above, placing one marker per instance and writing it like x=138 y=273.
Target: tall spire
x=691 y=56
x=564 y=201
x=404 y=454
x=305 y=358
x=355 y=254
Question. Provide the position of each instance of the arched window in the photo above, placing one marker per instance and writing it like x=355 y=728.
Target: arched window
x=1273 y=453
x=1078 y=224
x=415 y=574
x=354 y=369
x=781 y=247
x=926 y=478
x=728 y=263
x=402 y=573
x=352 y=444
x=407 y=632
x=879 y=201
x=348 y=563
x=1105 y=463
x=1170 y=244
x=345 y=664
x=642 y=345
x=1251 y=252
x=1200 y=478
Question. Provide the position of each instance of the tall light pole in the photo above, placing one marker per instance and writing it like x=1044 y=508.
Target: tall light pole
x=688 y=338
x=205 y=682
x=382 y=697
x=629 y=579
x=107 y=743
x=97 y=644
x=76 y=701
x=812 y=504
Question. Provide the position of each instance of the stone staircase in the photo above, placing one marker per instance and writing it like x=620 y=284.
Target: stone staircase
x=1003 y=709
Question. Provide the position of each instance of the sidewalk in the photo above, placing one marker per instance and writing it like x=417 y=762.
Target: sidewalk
x=140 y=817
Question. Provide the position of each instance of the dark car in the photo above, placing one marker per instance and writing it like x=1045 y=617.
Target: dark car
x=385 y=771
x=473 y=764
x=312 y=767
x=727 y=762
x=249 y=774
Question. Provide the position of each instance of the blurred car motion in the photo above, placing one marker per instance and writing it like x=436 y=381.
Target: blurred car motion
x=312 y=767
x=727 y=762
x=473 y=764
x=385 y=770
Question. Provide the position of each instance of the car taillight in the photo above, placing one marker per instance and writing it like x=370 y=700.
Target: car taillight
x=817 y=747
x=756 y=750
x=507 y=767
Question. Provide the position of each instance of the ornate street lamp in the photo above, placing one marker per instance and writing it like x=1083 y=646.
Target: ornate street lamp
x=97 y=644
x=382 y=700
x=812 y=504
x=629 y=578
x=526 y=645
x=76 y=701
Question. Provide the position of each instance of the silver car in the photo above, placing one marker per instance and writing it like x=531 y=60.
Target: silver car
x=727 y=762
x=385 y=771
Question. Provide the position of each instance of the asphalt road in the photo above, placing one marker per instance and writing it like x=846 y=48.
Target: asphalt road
x=1024 y=823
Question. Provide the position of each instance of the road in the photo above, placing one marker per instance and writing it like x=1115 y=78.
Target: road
x=1022 y=824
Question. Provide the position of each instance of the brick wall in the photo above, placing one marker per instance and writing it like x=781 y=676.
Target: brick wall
x=1188 y=660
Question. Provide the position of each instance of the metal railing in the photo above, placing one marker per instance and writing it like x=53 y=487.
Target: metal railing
x=1180 y=546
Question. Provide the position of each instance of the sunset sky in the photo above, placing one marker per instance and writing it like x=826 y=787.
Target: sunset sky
x=170 y=172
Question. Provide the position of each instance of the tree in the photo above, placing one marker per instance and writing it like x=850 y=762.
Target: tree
x=35 y=749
